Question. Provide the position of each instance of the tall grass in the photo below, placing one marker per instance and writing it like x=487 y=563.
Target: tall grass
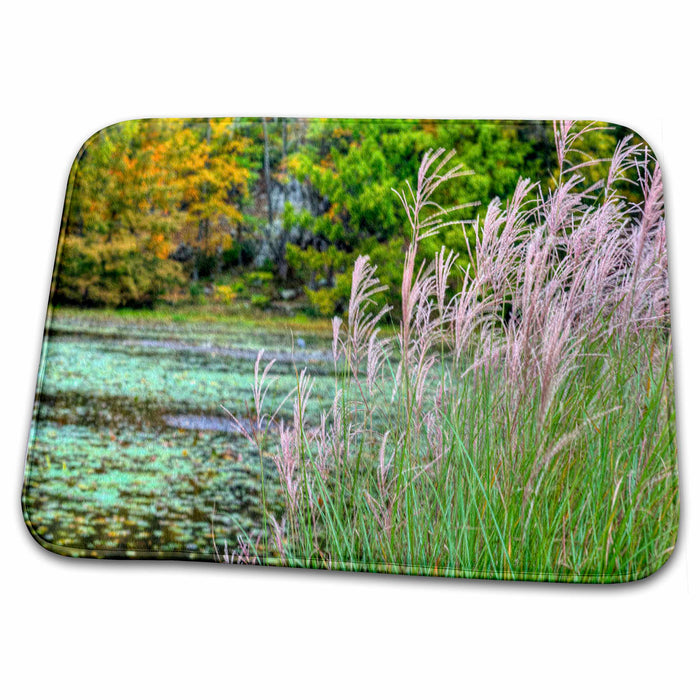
x=519 y=423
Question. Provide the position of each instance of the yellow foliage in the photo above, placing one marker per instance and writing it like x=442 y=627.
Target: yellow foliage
x=224 y=294
x=294 y=163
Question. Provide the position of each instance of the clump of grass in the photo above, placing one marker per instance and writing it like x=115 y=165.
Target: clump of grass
x=520 y=422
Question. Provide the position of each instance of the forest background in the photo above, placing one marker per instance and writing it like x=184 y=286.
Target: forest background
x=270 y=213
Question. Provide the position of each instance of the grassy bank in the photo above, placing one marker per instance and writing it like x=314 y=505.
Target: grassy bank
x=239 y=316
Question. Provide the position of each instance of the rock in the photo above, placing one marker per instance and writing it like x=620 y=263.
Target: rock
x=183 y=253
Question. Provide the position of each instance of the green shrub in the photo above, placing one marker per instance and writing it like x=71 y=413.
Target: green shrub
x=258 y=279
x=324 y=302
x=196 y=292
x=260 y=301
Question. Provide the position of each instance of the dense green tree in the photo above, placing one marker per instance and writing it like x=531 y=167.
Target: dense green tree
x=355 y=164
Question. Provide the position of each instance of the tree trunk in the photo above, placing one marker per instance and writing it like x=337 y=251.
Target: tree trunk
x=282 y=264
x=266 y=167
x=203 y=225
x=284 y=139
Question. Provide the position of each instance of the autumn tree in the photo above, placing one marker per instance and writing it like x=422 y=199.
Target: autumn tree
x=123 y=213
x=210 y=158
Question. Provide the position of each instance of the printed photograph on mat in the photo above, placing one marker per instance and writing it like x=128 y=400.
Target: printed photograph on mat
x=405 y=346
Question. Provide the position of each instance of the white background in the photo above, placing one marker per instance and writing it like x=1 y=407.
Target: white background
x=74 y=629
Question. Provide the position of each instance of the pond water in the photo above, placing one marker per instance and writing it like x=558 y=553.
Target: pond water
x=131 y=450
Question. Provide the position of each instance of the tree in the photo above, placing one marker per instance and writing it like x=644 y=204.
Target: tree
x=354 y=164
x=123 y=213
x=209 y=159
